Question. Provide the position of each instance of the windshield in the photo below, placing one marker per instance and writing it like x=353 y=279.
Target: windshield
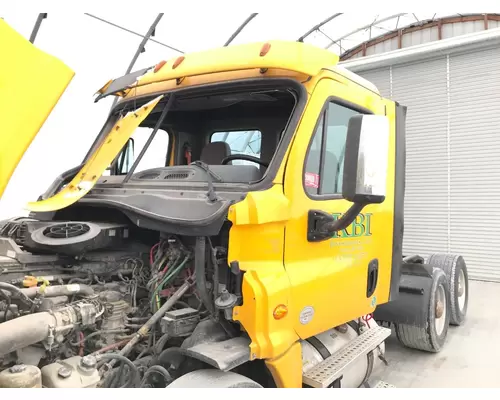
x=234 y=132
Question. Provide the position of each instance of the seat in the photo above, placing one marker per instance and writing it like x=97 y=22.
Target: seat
x=213 y=153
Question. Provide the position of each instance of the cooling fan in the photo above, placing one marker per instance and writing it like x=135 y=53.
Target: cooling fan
x=74 y=237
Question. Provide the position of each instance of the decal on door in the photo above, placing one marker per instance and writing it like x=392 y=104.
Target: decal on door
x=312 y=180
x=361 y=226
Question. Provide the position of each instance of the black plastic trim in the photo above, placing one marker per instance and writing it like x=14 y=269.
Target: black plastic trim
x=399 y=194
x=341 y=102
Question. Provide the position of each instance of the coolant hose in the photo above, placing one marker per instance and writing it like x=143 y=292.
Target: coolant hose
x=199 y=270
x=60 y=290
x=24 y=331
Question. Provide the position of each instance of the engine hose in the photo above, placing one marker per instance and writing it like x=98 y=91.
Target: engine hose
x=96 y=333
x=158 y=369
x=10 y=313
x=25 y=331
x=160 y=344
x=132 y=380
x=59 y=290
x=155 y=318
x=15 y=290
x=199 y=270
x=171 y=357
x=7 y=299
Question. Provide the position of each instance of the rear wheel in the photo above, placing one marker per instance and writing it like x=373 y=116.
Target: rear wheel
x=213 y=378
x=458 y=280
x=431 y=336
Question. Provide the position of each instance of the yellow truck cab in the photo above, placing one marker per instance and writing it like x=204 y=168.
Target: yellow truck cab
x=238 y=222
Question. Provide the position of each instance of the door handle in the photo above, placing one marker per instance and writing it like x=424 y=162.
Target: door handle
x=372 y=277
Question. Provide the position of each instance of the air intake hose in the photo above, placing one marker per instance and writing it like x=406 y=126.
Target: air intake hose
x=25 y=331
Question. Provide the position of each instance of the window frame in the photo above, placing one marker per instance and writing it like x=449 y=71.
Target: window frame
x=324 y=112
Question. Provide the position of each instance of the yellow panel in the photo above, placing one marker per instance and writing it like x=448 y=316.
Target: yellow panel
x=87 y=177
x=256 y=242
x=292 y=56
x=31 y=83
x=287 y=369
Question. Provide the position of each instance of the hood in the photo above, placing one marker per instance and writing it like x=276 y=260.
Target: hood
x=31 y=83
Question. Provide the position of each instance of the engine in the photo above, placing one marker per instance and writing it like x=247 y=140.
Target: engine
x=77 y=298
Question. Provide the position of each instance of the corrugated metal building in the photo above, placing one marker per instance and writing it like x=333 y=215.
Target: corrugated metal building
x=451 y=85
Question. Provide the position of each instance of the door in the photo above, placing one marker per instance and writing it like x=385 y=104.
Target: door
x=336 y=280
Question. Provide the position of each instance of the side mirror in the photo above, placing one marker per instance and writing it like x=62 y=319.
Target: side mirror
x=366 y=159
x=365 y=174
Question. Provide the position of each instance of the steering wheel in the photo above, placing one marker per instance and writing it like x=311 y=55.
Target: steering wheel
x=245 y=157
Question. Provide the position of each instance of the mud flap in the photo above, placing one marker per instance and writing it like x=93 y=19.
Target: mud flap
x=412 y=303
x=88 y=175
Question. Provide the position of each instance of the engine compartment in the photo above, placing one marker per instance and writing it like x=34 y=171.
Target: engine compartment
x=110 y=303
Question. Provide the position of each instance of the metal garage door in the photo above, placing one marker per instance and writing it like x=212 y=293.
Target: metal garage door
x=422 y=87
x=475 y=160
x=452 y=199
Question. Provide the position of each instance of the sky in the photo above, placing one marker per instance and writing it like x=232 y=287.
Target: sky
x=97 y=52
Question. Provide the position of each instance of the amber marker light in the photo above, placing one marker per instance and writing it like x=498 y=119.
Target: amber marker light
x=178 y=62
x=280 y=311
x=159 y=66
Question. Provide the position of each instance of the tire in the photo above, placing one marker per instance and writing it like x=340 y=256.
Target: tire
x=432 y=336
x=213 y=378
x=458 y=280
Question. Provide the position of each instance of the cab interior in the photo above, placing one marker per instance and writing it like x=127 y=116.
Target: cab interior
x=246 y=124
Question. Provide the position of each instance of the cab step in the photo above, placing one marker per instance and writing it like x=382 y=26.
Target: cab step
x=332 y=368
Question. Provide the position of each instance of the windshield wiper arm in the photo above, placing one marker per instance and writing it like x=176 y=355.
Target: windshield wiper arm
x=163 y=114
x=212 y=196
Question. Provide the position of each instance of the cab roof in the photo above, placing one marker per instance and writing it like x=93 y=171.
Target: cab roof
x=295 y=57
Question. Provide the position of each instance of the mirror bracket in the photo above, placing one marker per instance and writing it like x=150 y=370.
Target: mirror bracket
x=322 y=226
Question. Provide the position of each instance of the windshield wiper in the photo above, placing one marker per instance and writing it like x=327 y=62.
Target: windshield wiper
x=212 y=196
x=163 y=114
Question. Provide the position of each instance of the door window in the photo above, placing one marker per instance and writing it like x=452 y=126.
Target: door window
x=325 y=158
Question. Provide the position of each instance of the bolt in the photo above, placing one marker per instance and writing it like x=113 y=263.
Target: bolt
x=88 y=361
x=15 y=369
x=64 y=372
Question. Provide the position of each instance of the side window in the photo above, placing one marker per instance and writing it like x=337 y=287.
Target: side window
x=241 y=142
x=155 y=155
x=325 y=159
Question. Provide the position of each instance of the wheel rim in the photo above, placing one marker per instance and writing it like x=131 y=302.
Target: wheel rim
x=440 y=312
x=462 y=290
